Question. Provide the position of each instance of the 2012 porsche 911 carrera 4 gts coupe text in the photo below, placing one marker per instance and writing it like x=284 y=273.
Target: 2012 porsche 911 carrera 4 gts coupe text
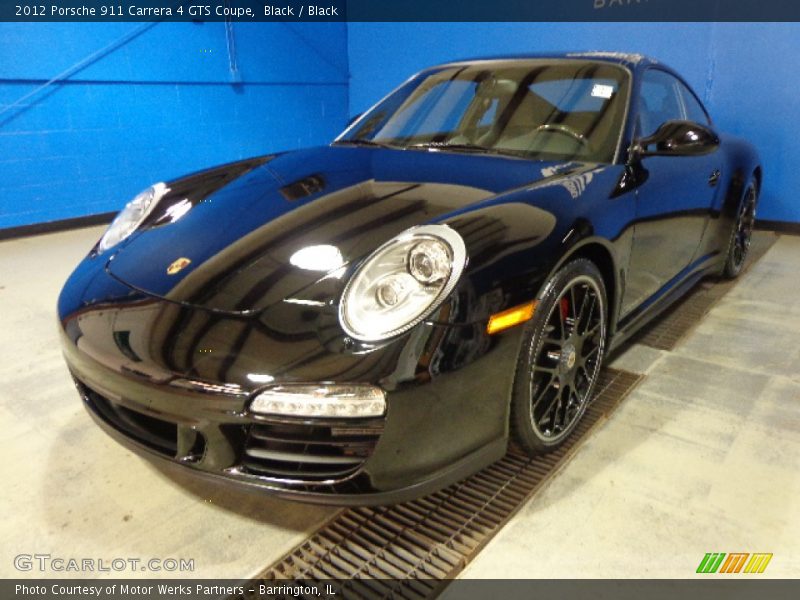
x=371 y=320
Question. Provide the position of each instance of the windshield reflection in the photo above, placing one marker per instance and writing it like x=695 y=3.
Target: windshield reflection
x=545 y=109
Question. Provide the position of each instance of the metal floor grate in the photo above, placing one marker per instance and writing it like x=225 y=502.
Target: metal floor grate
x=409 y=550
x=671 y=327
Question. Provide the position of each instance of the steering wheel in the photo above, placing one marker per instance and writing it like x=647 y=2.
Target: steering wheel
x=564 y=130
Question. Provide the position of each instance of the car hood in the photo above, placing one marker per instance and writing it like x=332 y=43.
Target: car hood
x=227 y=239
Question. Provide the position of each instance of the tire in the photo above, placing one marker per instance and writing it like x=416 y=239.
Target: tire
x=560 y=358
x=739 y=243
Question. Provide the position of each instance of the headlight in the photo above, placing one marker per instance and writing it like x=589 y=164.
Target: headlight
x=402 y=283
x=134 y=213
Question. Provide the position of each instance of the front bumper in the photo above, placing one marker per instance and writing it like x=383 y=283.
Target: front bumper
x=447 y=408
x=215 y=437
x=352 y=492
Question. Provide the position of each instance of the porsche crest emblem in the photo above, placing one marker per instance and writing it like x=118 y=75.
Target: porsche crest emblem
x=178 y=266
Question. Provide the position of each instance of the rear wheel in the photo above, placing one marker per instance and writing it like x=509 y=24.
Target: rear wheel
x=742 y=234
x=560 y=358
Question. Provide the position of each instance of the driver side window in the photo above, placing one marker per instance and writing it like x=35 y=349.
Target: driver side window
x=694 y=110
x=659 y=101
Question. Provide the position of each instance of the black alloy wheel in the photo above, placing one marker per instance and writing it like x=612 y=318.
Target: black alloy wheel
x=742 y=234
x=560 y=358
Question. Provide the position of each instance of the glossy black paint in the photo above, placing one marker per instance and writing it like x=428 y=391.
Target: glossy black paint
x=183 y=354
x=679 y=138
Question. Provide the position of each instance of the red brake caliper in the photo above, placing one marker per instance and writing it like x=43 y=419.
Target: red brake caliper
x=564 y=308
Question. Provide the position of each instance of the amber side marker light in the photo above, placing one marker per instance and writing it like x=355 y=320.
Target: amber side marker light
x=508 y=318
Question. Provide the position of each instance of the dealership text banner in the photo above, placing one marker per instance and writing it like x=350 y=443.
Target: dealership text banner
x=460 y=589
x=396 y=10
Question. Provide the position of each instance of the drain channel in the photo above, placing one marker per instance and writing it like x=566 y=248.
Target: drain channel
x=409 y=550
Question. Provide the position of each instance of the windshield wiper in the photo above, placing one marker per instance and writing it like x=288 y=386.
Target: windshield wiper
x=466 y=147
x=449 y=146
x=456 y=147
x=364 y=143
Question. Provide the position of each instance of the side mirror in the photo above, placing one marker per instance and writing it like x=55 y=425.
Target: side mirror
x=678 y=138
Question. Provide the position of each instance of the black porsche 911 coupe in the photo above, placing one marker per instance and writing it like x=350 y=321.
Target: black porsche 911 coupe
x=371 y=320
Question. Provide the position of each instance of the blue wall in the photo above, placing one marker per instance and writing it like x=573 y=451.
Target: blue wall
x=747 y=73
x=160 y=101
x=756 y=94
x=156 y=106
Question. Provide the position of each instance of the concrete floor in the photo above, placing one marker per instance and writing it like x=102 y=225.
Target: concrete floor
x=69 y=490
x=702 y=457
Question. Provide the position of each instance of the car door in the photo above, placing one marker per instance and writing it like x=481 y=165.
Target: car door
x=673 y=204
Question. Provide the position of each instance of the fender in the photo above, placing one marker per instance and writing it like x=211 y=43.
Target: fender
x=743 y=165
x=601 y=252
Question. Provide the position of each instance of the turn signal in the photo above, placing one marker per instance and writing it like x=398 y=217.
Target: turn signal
x=321 y=400
x=509 y=318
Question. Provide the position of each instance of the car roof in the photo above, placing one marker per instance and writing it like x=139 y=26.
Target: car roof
x=630 y=60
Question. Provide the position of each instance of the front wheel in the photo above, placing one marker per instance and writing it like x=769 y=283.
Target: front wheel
x=742 y=234
x=560 y=357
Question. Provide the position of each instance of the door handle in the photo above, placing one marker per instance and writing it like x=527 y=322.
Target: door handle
x=714 y=178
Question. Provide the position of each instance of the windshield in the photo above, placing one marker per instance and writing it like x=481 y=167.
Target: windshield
x=545 y=109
